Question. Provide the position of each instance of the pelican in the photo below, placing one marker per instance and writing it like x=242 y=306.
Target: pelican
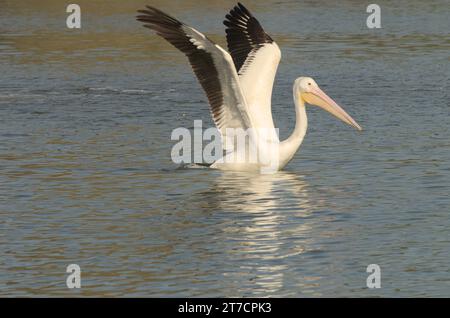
x=238 y=84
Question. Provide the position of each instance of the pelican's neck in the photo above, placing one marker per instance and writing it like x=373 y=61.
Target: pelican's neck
x=289 y=147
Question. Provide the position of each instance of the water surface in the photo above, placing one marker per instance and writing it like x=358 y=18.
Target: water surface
x=86 y=176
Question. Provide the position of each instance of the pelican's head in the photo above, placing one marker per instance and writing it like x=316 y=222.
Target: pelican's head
x=306 y=88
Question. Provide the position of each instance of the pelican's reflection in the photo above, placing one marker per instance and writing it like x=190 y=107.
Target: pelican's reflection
x=267 y=221
x=258 y=192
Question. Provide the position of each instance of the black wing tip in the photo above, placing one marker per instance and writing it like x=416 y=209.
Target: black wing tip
x=238 y=13
x=149 y=10
x=155 y=16
x=231 y=19
x=228 y=21
x=244 y=9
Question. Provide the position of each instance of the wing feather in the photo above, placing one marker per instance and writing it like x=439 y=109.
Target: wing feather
x=244 y=35
x=256 y=57
x=212 y=65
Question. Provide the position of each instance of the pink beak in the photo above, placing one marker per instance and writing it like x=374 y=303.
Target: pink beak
x=318 y=97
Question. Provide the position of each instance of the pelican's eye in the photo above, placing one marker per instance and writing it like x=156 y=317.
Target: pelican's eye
x=309 y=83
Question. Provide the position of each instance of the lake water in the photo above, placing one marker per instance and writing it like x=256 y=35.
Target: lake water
x=86 y=175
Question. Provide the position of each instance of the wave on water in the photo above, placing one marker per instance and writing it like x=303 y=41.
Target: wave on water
x=184 y=166
x=5 y=95
x=108 y=90
x=19 y=95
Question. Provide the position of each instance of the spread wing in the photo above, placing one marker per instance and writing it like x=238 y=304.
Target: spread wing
x=256 y=57
x=212 y=65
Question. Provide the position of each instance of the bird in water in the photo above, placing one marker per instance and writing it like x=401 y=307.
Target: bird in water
x=238 y=85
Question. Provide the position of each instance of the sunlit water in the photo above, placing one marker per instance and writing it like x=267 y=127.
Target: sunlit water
x=86 y=175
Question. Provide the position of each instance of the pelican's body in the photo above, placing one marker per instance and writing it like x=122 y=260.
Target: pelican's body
x=239 y=87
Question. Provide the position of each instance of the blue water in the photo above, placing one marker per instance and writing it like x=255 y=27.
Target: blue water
x=86 y=175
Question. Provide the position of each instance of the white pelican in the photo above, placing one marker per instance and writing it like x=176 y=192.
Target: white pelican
x=239 y=84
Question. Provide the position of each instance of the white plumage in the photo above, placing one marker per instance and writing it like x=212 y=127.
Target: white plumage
x=239 y=84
